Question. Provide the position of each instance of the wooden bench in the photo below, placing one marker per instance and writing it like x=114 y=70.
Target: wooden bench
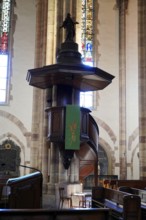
x=140 y=184
x=64 y=214
x=135 y=191
x=2 y=199
x=23 y=192
x=141 y=193
x=122 y=205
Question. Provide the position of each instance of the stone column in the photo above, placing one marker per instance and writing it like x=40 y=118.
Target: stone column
x=54 y=168
x=142 y=85
x=54 y=164
x=38 y=144
x=50 y=59
x=78 y=18
x=51 y=30
x=57 y=11
x=62 y=172
x=122 y=5
x=76 y=169
x=71 y=171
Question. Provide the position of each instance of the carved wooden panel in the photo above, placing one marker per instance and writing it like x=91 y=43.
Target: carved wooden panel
x=56 y=124
x=84 y=124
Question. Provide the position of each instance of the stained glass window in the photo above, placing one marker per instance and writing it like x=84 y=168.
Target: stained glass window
x=86 y=98
x=5 y=6
x=87 y=32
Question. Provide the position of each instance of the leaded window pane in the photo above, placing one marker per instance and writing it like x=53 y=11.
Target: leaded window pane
x=87 y=32
x=86 y=98
x=5 y=8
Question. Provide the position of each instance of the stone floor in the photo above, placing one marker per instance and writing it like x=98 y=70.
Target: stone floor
x=49 y=202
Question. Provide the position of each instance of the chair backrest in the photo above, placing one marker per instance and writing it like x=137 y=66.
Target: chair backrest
x=61 y=192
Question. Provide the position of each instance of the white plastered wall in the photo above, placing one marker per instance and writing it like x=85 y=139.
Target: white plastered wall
x=108 y=99
x=16 y=117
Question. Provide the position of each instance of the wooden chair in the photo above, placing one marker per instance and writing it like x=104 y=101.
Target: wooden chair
x=85 y=202
x=63 y=198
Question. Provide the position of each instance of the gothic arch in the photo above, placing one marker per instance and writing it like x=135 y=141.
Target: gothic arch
x=106 y=147
x=132 y=138
x=15 y=121
x=108 y=130
x=19 y=125
x=102 y=161
x=110 y=155
x=133 y=147
x=132 y=158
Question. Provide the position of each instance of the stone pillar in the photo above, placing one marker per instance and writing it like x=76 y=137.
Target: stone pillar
x=122 y=5
x=78 y=27
x=51 y=30
x=50 y=59
x=62 y=172
x=43 y=152
x=76 y=168
x=142 y=85
x=69 y=7
x=53 y=154
x=54 y=168
x=71 y=171
x=38 y=143
x=57 y=11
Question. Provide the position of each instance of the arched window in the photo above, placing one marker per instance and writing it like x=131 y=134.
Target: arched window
x=87 y=32
x=5 y=12
x=86 y=98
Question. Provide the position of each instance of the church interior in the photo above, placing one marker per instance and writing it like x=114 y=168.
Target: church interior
x=72 y=103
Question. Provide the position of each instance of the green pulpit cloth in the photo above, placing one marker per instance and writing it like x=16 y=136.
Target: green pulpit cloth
x=72 y=128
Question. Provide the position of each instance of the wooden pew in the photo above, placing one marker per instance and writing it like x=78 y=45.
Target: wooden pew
x=3 y=180
x=64 y=214
x=141 y=193
x=140 y=184
x=24 y=192
x=1 y=189
x=122 y=205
